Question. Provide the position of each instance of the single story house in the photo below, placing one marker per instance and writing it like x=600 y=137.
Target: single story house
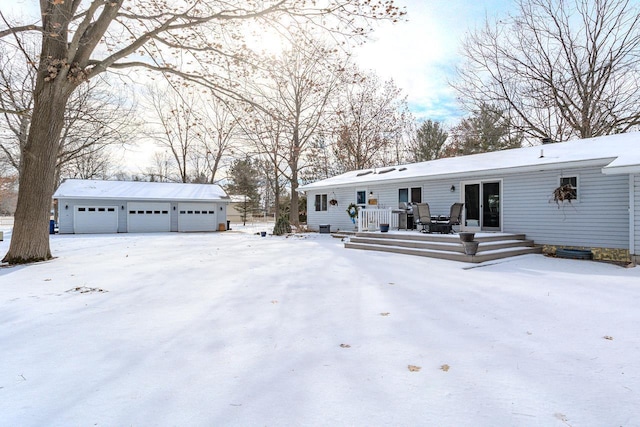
x=95 y=206
x=510 y=191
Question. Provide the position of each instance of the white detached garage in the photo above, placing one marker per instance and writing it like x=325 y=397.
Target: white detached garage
x=95 y=206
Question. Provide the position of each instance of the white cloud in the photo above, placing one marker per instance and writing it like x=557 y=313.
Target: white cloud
x=420 y=55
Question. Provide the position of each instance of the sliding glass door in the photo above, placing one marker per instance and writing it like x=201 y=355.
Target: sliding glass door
x=482 y=206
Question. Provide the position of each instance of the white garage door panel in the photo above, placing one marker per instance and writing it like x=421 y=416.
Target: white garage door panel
x=95 y=219
x=197 y=217
x=148 y=217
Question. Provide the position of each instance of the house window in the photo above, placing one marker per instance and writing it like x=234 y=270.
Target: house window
x=321 y=202
x=571 y=181
x=403 y=195
x=416 y=195
x=361 y=197
x=413 y=196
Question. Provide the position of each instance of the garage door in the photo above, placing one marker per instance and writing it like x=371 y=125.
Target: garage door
x=197 y=217
x=148 y=217
x=95 y=219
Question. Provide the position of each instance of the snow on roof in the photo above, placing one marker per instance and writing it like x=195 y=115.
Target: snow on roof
x=239 y=198
x=615 y=153
x=138 y=190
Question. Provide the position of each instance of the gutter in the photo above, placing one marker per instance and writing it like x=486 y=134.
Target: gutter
x=466 y=174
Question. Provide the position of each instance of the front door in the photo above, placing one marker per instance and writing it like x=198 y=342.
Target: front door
x=482 y=206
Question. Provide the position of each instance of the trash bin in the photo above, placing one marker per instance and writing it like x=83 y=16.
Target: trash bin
x=325 y=228
x=52 y=226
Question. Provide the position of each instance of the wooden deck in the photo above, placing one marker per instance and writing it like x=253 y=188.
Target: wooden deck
x=492 y=246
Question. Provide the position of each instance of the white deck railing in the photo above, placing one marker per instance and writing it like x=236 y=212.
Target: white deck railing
x=370 y=219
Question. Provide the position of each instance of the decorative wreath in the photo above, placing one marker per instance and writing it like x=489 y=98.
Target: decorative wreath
x=352 y=210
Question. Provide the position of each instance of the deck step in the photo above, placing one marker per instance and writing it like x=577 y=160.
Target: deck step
x=491 y=247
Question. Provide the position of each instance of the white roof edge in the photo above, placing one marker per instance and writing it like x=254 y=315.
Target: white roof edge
x=472 y=173
x=146 y=199
x=77 y=189
x=617 y=153
x=621 y=170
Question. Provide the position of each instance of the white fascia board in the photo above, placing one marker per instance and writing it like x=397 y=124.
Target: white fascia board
x=464 y=175
x=621 y=170
x=139 y=199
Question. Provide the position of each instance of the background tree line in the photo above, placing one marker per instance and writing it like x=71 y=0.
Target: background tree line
x=263 y=121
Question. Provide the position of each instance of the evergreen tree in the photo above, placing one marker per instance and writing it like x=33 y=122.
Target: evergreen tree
x=429 y=141
x=486 y=130
x=244 y=176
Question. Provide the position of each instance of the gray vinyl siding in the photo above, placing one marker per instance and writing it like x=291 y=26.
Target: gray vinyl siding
x=65 y=215
x=439 y=196
x=387 y=194
x=599 y=218
x=337 y=215
x=174 y=217
x=636 y=210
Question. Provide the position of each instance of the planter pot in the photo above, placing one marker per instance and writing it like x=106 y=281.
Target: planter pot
x=263 y=233
x=384 y=228
x=466 y=236
x=470 y=248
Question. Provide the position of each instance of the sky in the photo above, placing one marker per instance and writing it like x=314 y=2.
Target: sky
x=234 y=329
x=420 y=55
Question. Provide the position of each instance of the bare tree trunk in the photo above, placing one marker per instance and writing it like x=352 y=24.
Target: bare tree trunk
x=30 y=238
x=294 y=215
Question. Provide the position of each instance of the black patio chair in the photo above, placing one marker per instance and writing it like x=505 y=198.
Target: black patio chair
x=422 y=217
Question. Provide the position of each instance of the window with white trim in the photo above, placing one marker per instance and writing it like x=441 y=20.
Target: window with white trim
x=572 y=182
x=321 y=202
x=412 y=195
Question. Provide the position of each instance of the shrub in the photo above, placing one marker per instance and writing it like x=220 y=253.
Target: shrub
x=282 y=226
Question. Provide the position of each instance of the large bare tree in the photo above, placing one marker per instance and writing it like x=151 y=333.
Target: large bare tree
x=175 y=126
x=199 y=131
x=97 y=116
x=84 y=38
x=558 y=68
x=370 y=122
x=266 y=133
x=297 y=93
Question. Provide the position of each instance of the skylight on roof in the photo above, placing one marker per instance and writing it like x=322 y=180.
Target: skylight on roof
x=364 y=173
x=386 y=170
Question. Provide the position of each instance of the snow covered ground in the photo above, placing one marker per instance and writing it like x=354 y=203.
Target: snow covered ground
x=236 y=329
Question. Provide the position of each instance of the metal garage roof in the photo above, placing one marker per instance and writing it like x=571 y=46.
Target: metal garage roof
x=138 y=190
